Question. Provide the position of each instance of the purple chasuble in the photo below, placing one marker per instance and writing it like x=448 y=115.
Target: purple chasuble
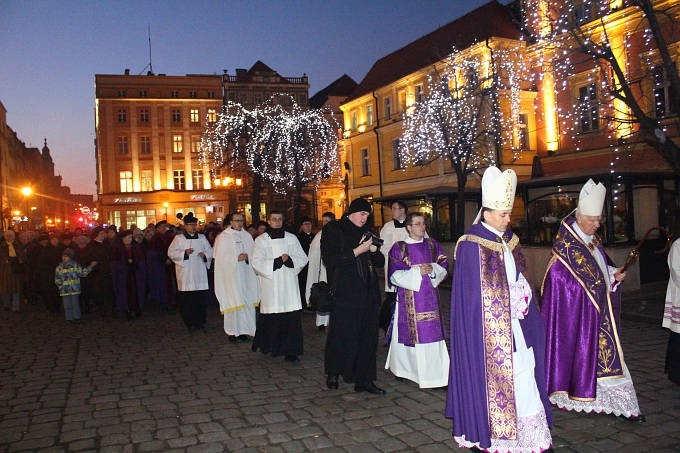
x=581 y=318
x=480 y=396
x=419 y=321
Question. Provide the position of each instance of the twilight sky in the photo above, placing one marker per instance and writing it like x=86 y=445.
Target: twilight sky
x=51 y=50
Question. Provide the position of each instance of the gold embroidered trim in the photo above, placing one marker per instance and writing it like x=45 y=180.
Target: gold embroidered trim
x=496 y=246
x=411 y=316
x=427 y=316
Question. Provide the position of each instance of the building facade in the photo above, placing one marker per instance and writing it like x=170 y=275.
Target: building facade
x=565 y=127
x=31 y=195
x=148 y=142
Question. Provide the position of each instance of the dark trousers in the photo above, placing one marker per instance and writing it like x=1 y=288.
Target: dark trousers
x=673 y=358
x=192 y=307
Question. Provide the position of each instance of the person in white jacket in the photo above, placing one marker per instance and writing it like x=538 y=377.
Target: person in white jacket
x=277 y=260
x=316 y=272
x=192 y=254
x=671 y=315
x=236 y=286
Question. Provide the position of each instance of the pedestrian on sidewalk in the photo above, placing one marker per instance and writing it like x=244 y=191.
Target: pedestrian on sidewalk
x=67 y=278
x=671 y=314
x=581 y=306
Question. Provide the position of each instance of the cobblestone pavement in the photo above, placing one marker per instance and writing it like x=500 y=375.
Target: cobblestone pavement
x=148 y=385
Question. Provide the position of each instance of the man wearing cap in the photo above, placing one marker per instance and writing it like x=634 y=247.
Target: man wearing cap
x=350 y=257
x=496 y=394
x=580 y=305
x=236 y=286
x=277 y=259
x=192 y=254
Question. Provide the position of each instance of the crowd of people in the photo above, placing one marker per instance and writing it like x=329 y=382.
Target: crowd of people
x=512 y=356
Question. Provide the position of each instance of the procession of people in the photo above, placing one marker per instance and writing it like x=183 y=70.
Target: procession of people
x=510 y=355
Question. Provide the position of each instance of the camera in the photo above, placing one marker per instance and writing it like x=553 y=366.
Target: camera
x=375 y=240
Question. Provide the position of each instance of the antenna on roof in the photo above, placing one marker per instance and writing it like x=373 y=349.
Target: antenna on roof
x=150 y=66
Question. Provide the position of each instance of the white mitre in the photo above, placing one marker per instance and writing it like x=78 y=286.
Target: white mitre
x=591 y=199
x=498 y=189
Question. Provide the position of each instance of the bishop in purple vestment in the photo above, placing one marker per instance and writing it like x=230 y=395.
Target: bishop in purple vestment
x=580 y=306
x=496 y=395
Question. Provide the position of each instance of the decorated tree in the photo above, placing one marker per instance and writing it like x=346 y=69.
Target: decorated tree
x=461 y=120
x=625 y=44
x=278 y=143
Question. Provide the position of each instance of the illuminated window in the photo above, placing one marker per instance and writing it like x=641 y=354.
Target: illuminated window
x=122 y=115
x=178 y=179
x=144 y=116
x=176 y=143
x=212 y=115
x=123 y=145
x=145 y=145
x=369 y=114
x=193 y=116
x=365 y=163
x=195 y=143
x=146 y=180
x=588 y=109
x=176 y=116
x=197 y=179
x=388 y=108
x=665 y=99
x=126 y=181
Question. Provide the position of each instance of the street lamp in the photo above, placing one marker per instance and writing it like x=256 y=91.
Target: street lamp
x=27 y=191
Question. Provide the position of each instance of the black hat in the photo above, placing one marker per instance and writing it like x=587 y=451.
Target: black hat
x=96 y=231
x=44 y=237
x=305 y=219
x=359 y=205
x=125 y=233
x=189 y=218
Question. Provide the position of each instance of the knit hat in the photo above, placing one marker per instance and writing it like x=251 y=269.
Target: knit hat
x=591 y=199
x=359 y=205
x=68 y=252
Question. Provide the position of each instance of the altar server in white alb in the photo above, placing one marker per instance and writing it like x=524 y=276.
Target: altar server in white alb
x=236 y=285
x=192 y=254
x=316 y=272
x=278 y=258
x=417 y=265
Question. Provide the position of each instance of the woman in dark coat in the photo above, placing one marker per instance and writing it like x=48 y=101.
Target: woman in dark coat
x=12 y=270
x=350 y=261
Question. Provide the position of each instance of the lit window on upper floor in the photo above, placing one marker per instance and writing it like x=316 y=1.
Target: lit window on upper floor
x=193 y=116
x=212 y=115
x=197 y=179
x=122 y=115
x=146 y=180
x=176 y=143
x=125 y=181
x=195 y=143
x=178 y=179
x=369 y=114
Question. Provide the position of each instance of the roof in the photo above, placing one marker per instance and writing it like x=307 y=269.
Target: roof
x=259 y=68
x=487 y=21
x=343 y=87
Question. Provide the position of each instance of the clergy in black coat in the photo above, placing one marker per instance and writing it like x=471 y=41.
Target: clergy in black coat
x=350 y=261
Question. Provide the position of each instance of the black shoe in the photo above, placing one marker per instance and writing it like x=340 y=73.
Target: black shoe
x=243 y=338
x=370 y=388
x=291 y=358
x=637 y=419
x=321 y=328
x=332 y=381
x=233 y=339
